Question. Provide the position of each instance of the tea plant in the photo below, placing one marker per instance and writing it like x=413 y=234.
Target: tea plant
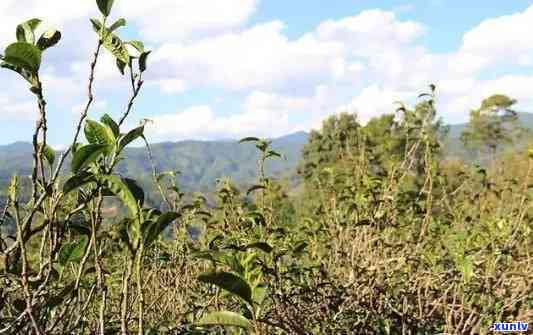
x=384 y=234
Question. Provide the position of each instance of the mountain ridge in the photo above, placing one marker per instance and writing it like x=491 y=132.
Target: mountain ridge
x=201 y=163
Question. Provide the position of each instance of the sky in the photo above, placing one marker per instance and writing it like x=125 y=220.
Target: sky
x=225 y=69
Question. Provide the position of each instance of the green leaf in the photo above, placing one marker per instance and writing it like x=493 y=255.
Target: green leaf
x=121 y=66
x=135 y=189
x=131 y=136
x=98 y=134
x=225 y=318
x=229 y=282
x=262 y=145
x=118 y=23
x=138 y=45
x=142 y=60
x=299 y=248
x=49 y=154
x=111 y=42
x=26 y=31
x=113 y=126
x=49 y=39
x=120 y=188
x=115 y=46
x=105 y=6
x=23 y=55
x=467 y=268
x=272 y=153
x=249 y=139
x=97 y=25
x=255 y=188
x=160 y=225
x=77 y=180
x=73 y=251
x=86 y=155
x=261 y=246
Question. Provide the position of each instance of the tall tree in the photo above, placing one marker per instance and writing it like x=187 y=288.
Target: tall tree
x=336 y=141
x=494 y=123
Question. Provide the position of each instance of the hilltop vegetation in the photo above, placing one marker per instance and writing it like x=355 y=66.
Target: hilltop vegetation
x=386 y=233
x=201 y=163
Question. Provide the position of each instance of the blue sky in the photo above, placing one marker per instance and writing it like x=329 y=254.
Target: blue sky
x=234 y=68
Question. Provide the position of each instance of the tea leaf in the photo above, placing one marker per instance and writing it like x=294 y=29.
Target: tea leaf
x=225 y=318
x=105 y=6
x=229 y=282
x=86 y=155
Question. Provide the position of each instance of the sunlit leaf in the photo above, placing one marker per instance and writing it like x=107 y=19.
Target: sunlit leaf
x=131 y=136
x=120 y=188
x=86 y=155
x=26 y=31
x=118 y=23
x=108 y=121
x=229 y=282
x=225 y=318
x=24 y=55
x=98 y=134
x=138 y=45
x=49 y=154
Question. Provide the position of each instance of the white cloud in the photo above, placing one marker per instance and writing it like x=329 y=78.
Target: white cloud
x=370 y=31
x=17 y=110
x=362 y=63
x=263 y=58
x=263 y=114
x=97 y=106
x=171 y=86
x=171 y=20
x=374 y=101
x=503 y=39
x=258 y=58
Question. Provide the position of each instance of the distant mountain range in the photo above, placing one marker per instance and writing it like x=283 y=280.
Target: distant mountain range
x=202 y=162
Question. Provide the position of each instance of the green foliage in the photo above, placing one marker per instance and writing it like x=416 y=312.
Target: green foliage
x=385 y=234
x=492 y=125
x=48 y=39
x=105 y=6
x=97 y=133
x=23 y=55
x=86 y=155
x=73 y=251
x=230 y=282
x=225 y=318
x=26 y=31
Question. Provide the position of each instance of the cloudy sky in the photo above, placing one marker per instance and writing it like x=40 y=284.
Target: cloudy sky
x=234 y=68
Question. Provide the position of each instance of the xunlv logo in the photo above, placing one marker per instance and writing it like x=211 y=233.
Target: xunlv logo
x=510 y=326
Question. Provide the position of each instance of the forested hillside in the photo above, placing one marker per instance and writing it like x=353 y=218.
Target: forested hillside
x=201 y=163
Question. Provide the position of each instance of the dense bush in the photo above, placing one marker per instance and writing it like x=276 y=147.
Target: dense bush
x=383 y=236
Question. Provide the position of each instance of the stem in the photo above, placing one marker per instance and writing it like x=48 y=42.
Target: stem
x=139 y=288
x=98 y=266
x=85 y=111
x=24 y=274
x=135 y=89
x=124 y=298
